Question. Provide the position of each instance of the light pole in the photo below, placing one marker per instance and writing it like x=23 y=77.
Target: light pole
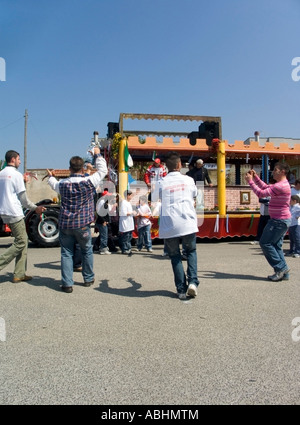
x=25 y=141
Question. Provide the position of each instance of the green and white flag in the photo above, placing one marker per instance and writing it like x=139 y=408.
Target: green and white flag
x=127 y=158
x=153 y=155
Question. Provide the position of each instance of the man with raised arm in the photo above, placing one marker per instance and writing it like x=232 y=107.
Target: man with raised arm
x=77 y=212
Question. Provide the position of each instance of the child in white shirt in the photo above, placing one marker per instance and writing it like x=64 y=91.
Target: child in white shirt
x=126 y=223
x=144 y=225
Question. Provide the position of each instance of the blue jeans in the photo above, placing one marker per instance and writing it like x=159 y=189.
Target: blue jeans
x=67 y=238
x=144 y=237
x=172 y=246
x=271 y=243
x=103 y=233
x=77 y=258
x=294 y=234
x=125 y=241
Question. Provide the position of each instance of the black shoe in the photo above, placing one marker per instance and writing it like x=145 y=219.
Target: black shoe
x=77 y=269
x=114 y=250
x=88 y=283
x=67 y=289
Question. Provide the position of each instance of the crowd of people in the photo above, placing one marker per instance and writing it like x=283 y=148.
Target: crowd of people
x=172 y=193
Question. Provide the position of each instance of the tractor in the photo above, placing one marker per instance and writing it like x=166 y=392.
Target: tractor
x=42 y=229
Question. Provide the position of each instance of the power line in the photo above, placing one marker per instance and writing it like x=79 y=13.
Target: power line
x=7 y=125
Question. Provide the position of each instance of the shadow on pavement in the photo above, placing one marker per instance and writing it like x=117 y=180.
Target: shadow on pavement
x=210 y=274
x=49 y=265
x=133 y=290
x=48 y=282
x=36 y=281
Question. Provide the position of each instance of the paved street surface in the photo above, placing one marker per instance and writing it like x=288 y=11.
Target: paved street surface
x=129 y=340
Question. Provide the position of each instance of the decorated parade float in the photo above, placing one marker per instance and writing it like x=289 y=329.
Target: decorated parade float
x=228 y=208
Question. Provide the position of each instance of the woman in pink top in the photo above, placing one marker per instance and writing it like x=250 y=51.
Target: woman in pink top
x=279 y=209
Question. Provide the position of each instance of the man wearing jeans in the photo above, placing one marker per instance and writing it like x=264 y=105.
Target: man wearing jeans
x=178 y=223
x=77 y=212
x=280 y=217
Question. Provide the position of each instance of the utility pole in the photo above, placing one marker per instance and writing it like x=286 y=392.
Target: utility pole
x=25 y=141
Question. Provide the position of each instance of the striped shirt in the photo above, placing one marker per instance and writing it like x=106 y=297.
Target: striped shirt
x=77 y=197
x=280 y=193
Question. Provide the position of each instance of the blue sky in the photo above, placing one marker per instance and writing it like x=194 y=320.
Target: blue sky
x=75 y=65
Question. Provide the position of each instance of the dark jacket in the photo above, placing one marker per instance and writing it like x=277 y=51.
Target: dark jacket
x=199 y=174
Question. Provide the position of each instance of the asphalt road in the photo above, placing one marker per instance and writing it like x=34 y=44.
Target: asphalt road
x=128 y=340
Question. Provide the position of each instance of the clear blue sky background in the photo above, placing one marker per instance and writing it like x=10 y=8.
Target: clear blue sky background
x=77 y=64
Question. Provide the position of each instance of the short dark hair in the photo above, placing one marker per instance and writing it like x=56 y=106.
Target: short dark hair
x=172 y=160
x=296 y=198
x=127 y=192
x=76 y=163
x=283 y=166
x=297 y=181
x=10 y=155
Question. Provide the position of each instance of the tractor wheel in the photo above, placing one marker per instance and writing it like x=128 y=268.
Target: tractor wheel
x=43 y=229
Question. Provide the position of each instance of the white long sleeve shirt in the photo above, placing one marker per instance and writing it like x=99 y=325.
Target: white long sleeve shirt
x=178 y=215
x=13 y=197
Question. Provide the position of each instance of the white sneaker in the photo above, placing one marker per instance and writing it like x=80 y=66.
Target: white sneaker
x=104 y=251
x=181 y=296
x=192 y=290
x=254 y=242
x=296 y=255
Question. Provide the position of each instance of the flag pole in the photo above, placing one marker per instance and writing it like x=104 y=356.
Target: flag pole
x=123 y=175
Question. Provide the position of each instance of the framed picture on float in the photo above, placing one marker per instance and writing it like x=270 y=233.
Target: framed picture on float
x=245 y=197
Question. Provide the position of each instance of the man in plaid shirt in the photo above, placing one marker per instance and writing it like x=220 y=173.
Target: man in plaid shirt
x=77 y=212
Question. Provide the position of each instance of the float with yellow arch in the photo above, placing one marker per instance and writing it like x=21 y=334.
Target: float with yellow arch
x=229 y=210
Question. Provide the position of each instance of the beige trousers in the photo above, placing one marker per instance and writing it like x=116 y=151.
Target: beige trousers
x=18 y=250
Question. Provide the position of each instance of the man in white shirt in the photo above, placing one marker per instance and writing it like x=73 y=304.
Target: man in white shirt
x=178 y=222
x=13 y=200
